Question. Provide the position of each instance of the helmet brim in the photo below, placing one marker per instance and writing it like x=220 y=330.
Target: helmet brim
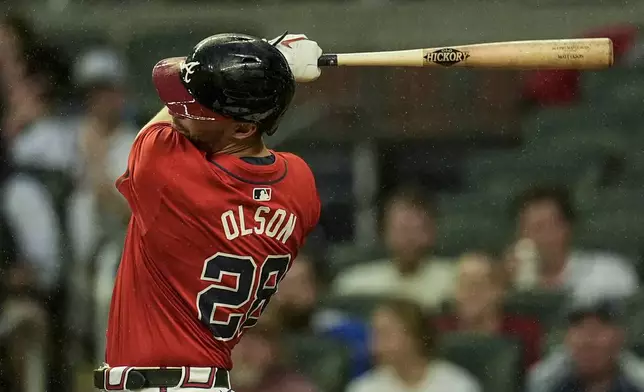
x=166 y=77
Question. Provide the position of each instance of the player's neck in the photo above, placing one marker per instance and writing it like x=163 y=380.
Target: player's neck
x=255 y=148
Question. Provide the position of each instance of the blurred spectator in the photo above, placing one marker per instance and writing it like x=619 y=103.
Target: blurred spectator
x=23 y=341
x=409 y=233
x=296 y=307
x=31 y=77
x=40 y=143
x=480 y=290
x=33 y=102
x=260 y=365
x=296 y=301
x=545 y=217
x=402 y=345
x=593 y=359
x=15 y=36
x=98 y=213
x=104 y=139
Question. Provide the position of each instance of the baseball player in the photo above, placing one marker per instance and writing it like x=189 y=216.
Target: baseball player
x=217 y=218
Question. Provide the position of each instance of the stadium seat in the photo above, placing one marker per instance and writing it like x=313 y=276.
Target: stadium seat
x=472 y=202
x=458 y=233
x=635 y=324
x=618 y=231
x=513 y=171
x=610 y=200
x=545 y=306
x=614 y=86
x=552 y=340
x=634 y=311
x=581 y=143
x=74 y=42
x=554 y=121
x=495 y=361
x=361 y=306
x=326 y=362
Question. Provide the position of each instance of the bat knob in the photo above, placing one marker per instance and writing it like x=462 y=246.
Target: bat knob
x=328 y=60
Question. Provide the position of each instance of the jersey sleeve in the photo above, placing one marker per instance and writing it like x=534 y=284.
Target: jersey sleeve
x=152 y=163
x=306 y=183
x=316 y=208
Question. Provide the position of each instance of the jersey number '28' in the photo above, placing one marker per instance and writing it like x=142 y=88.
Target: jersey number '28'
x=219 y=296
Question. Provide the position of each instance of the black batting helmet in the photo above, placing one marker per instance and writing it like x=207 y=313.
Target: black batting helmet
x=228 y=76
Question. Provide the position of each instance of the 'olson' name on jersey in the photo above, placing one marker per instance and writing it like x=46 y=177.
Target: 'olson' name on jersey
x=273 y=224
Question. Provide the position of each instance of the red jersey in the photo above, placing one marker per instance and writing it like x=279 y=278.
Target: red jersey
x=209 y=240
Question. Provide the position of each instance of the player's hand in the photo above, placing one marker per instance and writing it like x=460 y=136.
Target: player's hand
x=302 y=55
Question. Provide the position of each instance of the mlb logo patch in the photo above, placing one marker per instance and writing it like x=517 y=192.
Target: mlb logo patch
x=262 y=194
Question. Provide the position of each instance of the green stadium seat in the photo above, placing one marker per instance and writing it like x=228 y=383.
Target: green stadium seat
x=634 y=322
x=546 y=306
x=325 y=361
x=513 y=171
x=555 y=121
x=458 y=233
x=74 y=42
x=637 y=348
x=618 y=231
x=583 y=144
x=495 y=361
x=472 y=202
x=361 y=306
x=553 y=339
x=613 y=86
x=610 y=200
x=632 y=176
x=634 y=303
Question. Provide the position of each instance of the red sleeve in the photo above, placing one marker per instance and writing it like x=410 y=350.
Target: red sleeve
x=528 y=331
x=316 y=210
x=153 y=160
x=313 y=205
x=444 y=323
x=533 y=340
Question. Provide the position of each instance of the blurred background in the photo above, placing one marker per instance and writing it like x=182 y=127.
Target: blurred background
x=481 y=230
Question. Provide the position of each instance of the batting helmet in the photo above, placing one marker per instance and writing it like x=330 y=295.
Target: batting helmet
x=231 y=76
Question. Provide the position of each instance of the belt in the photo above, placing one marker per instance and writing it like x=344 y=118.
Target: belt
x=139 y=378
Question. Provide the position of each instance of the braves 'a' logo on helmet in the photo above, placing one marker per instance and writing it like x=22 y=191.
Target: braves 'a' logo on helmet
x=188 y=69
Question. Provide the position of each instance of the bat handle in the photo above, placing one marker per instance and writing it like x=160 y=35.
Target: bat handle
x=328 y=60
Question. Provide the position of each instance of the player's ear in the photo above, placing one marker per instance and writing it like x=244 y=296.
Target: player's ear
x=245 y=130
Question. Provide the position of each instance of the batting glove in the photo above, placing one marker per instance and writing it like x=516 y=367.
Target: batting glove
x=302 y=55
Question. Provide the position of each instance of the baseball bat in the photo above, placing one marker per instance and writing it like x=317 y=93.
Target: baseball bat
x=582 y=53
